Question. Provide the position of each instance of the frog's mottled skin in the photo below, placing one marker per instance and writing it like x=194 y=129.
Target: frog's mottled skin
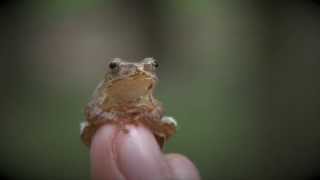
x=125 y=96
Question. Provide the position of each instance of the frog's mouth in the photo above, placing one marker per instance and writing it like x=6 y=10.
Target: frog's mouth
x=132 y=87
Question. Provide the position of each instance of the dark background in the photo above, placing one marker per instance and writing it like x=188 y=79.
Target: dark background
x=241 y=77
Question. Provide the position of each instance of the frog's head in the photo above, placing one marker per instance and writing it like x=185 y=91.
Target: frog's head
x=128 y=80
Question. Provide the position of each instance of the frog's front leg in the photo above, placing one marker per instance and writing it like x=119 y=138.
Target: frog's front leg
x=95 y=114
x=95 y=117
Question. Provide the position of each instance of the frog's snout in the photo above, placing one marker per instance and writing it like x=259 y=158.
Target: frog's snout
x=129 y=70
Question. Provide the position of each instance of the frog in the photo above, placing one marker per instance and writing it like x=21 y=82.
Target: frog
x=126 y=96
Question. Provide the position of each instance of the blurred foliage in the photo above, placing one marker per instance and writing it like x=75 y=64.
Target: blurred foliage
x=241 y=78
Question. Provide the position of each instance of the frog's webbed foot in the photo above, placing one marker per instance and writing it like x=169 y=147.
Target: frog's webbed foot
x=166 y=129
x=169 y=120
x=83 y=126
x=86 y=131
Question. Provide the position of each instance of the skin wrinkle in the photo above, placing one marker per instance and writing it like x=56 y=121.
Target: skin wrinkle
x=114 y=153
x=102 y=157
x=115 y=146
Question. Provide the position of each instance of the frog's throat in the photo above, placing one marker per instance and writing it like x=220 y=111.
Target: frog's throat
x=111 y=104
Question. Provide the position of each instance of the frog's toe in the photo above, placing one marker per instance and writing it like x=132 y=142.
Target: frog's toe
x=169 y=120
x=83 y=125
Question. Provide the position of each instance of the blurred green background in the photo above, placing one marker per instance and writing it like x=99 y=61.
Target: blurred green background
x=241 y=77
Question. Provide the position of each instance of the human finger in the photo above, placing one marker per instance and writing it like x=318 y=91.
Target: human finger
x=182 y=168
x=127 y=154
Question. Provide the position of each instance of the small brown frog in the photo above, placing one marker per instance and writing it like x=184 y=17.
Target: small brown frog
x=125 y=96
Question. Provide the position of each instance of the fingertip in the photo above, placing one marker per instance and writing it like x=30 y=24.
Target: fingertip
x=182 y=168
x=139 y=155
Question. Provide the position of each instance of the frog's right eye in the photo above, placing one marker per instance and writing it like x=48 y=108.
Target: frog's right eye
x=113 y=65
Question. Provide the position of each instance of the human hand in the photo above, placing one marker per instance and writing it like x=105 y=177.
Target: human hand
x=135 y=155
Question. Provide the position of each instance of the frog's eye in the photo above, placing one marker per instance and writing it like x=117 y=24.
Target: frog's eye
x=150 y=64
x=113 y=65
x=155 y=63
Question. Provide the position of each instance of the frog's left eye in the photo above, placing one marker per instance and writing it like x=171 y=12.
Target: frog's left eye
x=150 y=64
x=155 y=63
